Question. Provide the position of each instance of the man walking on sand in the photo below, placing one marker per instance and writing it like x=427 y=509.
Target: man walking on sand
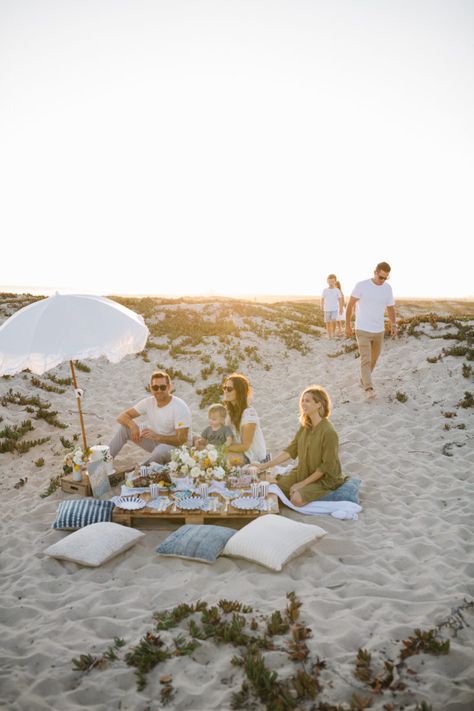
x=371 y=297
x=168 y=422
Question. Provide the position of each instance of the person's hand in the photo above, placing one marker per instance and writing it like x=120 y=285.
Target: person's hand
x=252 y=469
x=134 y=432
x=199 y=442
x=394 y=330
x=150 y=434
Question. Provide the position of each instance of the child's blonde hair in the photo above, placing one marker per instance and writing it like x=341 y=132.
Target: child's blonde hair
x=218 y=409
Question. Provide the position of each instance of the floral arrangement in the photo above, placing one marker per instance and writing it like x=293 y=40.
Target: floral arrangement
x=202 y=465
x=76 y=459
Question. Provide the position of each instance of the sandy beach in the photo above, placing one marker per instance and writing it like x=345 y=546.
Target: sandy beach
x=406 y=563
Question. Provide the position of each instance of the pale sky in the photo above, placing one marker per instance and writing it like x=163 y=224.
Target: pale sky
x=236 y=147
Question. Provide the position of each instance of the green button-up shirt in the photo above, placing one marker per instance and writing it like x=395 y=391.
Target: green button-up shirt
x=317 y=449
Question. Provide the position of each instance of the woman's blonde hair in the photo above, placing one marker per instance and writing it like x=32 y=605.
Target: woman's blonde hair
x=319 y=395
x=243 y=393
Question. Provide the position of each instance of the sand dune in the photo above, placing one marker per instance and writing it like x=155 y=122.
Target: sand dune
x=406 y=562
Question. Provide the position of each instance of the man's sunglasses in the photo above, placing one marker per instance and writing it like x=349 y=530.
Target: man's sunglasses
x=227 y=388
x=382 y=277
x=155 y=388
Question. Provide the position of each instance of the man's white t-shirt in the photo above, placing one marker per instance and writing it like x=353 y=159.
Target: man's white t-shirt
x=258 y=450
x=370 y=308
x=331 y=299
x=165 y=420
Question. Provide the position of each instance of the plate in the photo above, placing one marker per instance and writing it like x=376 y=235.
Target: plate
x=194 y=502
x=246 y=503
x=130 y=503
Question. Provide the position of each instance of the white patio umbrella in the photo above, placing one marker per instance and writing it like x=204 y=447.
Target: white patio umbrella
x=69 y=327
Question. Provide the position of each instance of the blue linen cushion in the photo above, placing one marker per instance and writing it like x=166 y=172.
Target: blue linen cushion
x=82 y=512
x=349 y=491
x=197 y=542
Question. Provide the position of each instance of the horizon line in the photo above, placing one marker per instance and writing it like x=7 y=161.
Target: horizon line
x=49 y=291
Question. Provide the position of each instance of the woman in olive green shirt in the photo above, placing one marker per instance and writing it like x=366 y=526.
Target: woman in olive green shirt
x=316 y=445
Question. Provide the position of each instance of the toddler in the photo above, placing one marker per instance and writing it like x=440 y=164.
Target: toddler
x=217 y=433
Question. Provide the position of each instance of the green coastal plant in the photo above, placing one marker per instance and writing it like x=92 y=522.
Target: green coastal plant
x=87 y=662
x=37 y=383
x=59 y=381
x=349 y=348
x=26 y=445
x=50 y=417
x=262 y=686
x=53 y=485
x=174 y=374
x=401 y=396
x=434 y=359
x=207 y=371
x=210 y=394
x=467 y=401
x=466 y=370
x=82 y=366
x=11 y=438
x=17 y=398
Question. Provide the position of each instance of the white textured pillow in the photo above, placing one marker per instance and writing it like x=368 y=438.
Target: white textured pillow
x=272 y=540
x=95 y=544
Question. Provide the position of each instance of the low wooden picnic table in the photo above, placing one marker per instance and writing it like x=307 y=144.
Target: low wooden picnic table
x=226 y=516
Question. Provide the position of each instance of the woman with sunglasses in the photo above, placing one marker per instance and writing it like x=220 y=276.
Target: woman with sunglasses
x=249 y=443
x=315 y=445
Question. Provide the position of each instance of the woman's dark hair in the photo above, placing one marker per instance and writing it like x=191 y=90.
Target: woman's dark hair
x=319 y=395
x=338 y=286
x=243 y=393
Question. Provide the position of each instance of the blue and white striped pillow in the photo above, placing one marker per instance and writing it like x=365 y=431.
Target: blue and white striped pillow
x=82 y=512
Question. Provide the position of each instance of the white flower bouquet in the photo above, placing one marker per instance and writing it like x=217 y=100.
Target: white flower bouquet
x=76 y=460
x=202 y=465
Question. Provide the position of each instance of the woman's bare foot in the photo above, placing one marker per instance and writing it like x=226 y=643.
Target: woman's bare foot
x=370 y=392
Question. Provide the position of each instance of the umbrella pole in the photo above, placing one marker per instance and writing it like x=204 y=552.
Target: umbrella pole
x=78 y=399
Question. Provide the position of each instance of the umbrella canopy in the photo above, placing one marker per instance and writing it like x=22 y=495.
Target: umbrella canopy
x=68 y=327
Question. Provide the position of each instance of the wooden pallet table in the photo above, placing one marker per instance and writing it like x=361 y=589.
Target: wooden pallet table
x=174 y=517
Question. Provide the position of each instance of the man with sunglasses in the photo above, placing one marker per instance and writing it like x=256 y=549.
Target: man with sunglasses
x=168 y=422
x=370 y=299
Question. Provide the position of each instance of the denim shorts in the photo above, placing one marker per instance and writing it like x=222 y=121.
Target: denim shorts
x=330 y=316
